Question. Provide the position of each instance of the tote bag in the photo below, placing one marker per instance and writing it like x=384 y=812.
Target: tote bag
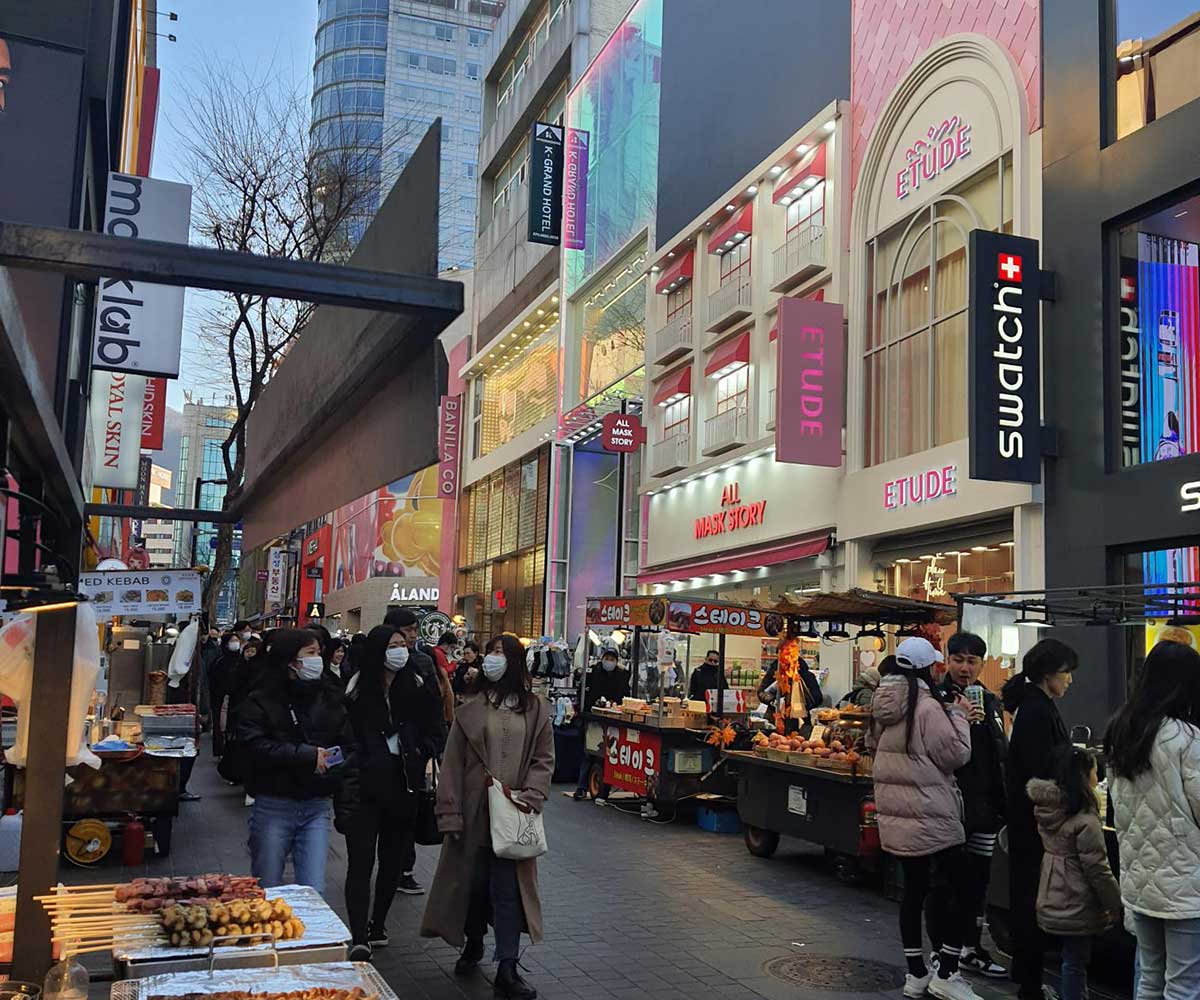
x=426 y=830
x=518 y=832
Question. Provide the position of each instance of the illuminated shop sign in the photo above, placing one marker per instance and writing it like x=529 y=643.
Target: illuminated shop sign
x=733 y=515
x=921 y=487
x=933 y=154
x=1189 y=493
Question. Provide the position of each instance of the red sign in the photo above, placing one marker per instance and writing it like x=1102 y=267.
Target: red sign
x=499 y=600
x=1008 y=267
x=154 y=414
x=810 y=397
x=262 y=575
x=622 y=432
x=448 y=438
x=733 y=515
x=632 y=759
x=682 y=615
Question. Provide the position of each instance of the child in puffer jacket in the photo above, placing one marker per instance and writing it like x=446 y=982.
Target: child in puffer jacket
x=1078 y=897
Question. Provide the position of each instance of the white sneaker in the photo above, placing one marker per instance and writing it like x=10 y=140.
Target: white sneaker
x=249 y=800
x=953 y=988
x=915 y=986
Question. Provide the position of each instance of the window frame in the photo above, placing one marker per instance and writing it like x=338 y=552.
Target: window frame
x=677 y=419
x=732 y=391
x=740 y=268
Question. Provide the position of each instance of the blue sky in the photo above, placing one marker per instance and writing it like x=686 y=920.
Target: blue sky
x=255 y=33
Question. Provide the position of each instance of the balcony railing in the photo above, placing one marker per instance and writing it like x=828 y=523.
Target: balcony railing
x=728 y=304
x=802 y=255
x=672 y=454
x=771 y=410
x=727 y=430
x=675 y=339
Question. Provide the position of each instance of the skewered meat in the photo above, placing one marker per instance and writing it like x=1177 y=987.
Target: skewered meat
x=316 y=993
x=198 y=887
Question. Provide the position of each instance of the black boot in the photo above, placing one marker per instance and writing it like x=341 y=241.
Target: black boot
x=510 y=984
x=468 y=961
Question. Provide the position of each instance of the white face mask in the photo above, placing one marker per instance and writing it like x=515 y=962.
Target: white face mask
x=246 y=635
x=494 y=666
x=310 y=668
x=395 y=658
x=234 y=645
x=609 y=664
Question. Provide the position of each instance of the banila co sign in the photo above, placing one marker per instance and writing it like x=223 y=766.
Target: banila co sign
x=139 y=325
x=546 y=184
x=1004 y=352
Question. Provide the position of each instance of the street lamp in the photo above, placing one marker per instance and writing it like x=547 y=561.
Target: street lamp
x=196 y=505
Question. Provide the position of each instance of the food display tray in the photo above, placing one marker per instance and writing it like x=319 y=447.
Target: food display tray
x=285 y=979
x=325 y=939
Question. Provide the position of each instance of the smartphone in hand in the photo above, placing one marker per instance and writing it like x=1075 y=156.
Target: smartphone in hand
x=334 y=757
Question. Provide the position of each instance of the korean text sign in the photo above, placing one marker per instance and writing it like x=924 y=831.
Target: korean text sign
x=632 y=759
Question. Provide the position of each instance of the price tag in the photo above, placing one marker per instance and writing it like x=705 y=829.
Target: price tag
x=797 y=800
x=818 y=733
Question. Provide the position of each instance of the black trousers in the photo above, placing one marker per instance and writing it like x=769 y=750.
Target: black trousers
x=971 y=879
x=933 y=878
x=1029 y=943
x=375 y=836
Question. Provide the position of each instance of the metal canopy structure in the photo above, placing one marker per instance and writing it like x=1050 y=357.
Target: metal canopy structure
x=1111 y=605
x=866 y=607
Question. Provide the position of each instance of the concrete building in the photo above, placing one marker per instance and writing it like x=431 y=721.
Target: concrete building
x=383 y=72
x=160 y=534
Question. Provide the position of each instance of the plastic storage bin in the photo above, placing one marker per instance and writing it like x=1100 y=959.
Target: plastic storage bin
x=10 y=840
x=718 y=820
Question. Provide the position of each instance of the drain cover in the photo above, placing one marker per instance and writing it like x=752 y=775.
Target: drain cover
x=847 y=975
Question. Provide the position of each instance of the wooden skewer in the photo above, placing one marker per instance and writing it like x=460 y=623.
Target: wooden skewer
x=121 y=939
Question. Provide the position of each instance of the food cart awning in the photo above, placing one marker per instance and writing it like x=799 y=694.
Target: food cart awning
x=1117 y=604
x=867 y=607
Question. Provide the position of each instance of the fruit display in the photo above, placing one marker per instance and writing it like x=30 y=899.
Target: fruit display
x=199 y=925
x=796 y=748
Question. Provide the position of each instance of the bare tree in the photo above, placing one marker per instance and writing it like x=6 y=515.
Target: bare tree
x=259 y=187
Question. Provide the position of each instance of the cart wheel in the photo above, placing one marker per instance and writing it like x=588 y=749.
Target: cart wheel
x=595 y=781
x=759 y=842
x=87 y=841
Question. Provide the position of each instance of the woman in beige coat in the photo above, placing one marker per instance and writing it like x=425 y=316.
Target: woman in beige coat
x=505 y=732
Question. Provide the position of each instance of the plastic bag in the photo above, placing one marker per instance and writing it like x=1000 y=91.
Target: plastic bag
x=181 y=655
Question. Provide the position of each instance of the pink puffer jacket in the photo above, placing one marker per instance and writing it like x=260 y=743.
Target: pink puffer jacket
x=916 y=798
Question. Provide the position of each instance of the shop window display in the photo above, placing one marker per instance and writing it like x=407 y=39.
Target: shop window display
x=936 y=576
x=916 y=345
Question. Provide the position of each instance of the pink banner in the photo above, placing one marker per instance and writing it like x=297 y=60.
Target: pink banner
x=810 y=395
x=154 y=414
x=575 y=190
x=449 y=436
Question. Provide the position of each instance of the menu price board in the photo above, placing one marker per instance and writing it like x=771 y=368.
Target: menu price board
x=156 y=592
x=683 y=615
x=631 y=759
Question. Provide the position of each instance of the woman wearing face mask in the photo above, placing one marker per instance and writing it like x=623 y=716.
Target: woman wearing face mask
x=222 y=675
x=504 y=732
x=389 y=711
x=295 y=741
x=467 y=670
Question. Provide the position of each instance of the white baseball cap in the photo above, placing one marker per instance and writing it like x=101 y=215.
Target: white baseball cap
x=916 y=653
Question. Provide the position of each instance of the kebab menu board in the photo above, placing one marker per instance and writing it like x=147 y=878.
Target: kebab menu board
x=683 y=616
x=157 y=592
x=631 y=761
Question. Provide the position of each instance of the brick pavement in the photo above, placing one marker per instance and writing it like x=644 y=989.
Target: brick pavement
x=632 y=909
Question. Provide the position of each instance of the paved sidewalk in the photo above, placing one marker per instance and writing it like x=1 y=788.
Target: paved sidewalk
x=632 y=909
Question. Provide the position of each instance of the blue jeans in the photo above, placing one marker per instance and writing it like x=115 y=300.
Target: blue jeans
x=494 y=882
x=298 y=828
x=1076 y=953
x=1169 y=958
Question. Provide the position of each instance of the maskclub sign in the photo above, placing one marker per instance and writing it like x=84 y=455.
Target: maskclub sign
x=1004 y=355
x=942 y=146
x=734 y=515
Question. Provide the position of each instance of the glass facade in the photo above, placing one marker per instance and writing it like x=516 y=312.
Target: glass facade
x=516 y=396
x=502 y=548
x=1157 y=50
x=617 y=103
x=612 y=322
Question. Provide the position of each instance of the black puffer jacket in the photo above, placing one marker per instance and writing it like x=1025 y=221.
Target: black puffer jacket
x=981 y=780
x=279 y=728
x=611 y=685
x=1037 y=732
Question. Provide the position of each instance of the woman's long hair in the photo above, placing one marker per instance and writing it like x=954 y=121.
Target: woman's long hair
x=914 y=695
x=1167 y=687
x=285 y=646
x=1073 y=768
x=371 y=659
x=516 y=680
x=1047 y=657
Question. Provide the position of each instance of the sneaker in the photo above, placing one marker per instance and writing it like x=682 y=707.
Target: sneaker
x=377 y=936
x=981 y=963
x=1049 y=993
x=952 y=988
x=188 y=797
x=915 y=986
x=935 y=961
x=410 y=886
x=249 y=801
x=579 y=794
x=360 y=953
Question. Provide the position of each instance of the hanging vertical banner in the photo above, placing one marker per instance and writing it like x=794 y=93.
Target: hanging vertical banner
x=448 y=438
x=574 y=210
x=116 y=421
x=545 y=184
x=139 y=325
x=154 y=414
x=276 y=570
x=810 y=394
x=1003 y=356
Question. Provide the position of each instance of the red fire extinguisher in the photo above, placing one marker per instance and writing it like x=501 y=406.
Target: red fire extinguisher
x=133 y=842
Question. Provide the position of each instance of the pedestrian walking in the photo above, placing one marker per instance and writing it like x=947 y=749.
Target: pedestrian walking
x=431 y=677
x=981 y=782
x=505 y=735
x=444 y=653
x=919 y=744
x=295 y=739
x=1153 y=752
x=467 y=670
x=1078 y=897
x=1037 y=734
x=390 y=723
x=221 y=674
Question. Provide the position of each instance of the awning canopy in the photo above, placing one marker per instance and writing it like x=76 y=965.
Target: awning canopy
x=1113 y=604
x=674 y=387
x=803 y=176
x=796 y=548
x=729 y=356
x=733 y=230
x=867 y=607
x=817 y=296
x=681 y=270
